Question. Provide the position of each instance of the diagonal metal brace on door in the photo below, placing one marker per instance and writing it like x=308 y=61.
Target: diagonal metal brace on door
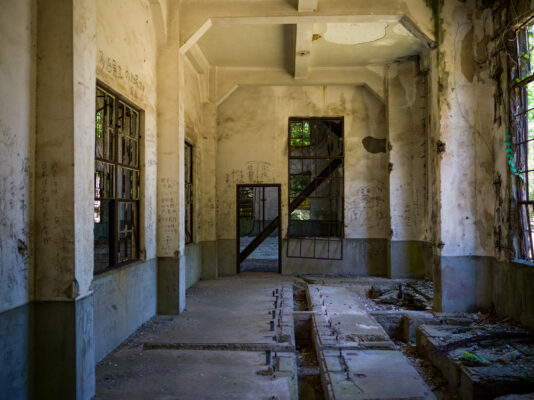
x=297 y=201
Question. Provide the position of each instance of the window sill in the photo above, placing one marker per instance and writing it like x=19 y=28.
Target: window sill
x=118 y=268
x=522 y=262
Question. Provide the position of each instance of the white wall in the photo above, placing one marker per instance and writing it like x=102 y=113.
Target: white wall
x=409 y=152
x=252 y=148
x=126 y=61
x=17 y=114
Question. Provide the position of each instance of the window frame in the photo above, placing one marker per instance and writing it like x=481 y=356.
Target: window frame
x=317 y=240
x=116 y=199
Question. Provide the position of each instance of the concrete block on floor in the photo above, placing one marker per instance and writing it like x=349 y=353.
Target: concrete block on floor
x=426 y=346
x=410 y=322
x=340 y=319
x=480 y=362
x=402 y=324
x=370 y=374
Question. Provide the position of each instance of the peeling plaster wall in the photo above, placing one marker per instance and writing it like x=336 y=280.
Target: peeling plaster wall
x=434 y=158
x=411 y=252
x=473 y=215
x=474 y=177
x=513 y=282
x=126 y=62
x=408 y=154
x=17 y=113
x=252 y=148
x=466 y=121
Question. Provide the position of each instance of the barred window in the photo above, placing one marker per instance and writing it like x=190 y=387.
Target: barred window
x=315 y=188
x=522 y=114
x=116 y=214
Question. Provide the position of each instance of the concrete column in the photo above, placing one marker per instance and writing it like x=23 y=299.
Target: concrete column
x=411 y=254
x=463 y=278
x=207 y=204
x=64 y=193
x=170 y=231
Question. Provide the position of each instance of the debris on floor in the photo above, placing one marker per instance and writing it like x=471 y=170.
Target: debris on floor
x=415 y=295
x=322 y=338
x=482 y=361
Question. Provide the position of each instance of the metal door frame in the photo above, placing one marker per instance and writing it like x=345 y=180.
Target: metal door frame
x=238 y=240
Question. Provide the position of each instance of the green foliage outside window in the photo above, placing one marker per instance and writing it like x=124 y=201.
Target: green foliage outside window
x=300 y=134
x=99 y=121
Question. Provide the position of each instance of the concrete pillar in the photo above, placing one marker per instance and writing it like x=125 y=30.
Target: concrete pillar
x=64 y=193
x=170 y=186
x=411 y=253
x=463 y=278
x=207 y=204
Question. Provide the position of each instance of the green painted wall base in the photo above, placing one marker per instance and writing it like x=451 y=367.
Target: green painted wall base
x=64 y=349
x=16 y=352
x=463 y=284
x=410 y=259
x=171 y=285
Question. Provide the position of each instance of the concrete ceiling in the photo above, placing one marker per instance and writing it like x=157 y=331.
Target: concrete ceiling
x=334 y=45
x=254 y=46
x=361 y=44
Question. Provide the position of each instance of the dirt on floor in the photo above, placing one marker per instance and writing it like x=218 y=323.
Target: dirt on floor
x=431 y=375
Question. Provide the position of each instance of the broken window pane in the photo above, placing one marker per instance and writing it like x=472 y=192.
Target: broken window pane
x=102 y=234
x=104 y=177
x=104 y=140
x=127 y=218
x=128 y=184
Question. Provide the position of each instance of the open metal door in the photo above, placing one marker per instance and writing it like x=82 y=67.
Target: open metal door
x=258 y=233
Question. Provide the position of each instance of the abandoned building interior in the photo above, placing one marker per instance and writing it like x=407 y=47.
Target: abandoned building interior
x=266 y=199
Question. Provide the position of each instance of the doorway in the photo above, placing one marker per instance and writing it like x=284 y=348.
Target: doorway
x=258 y=233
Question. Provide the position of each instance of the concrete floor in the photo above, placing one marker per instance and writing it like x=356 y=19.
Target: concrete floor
x=214 y=350
x=268 y=250
x=264 y=258
x=218 y=348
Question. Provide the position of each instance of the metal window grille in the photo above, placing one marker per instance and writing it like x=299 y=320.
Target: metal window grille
x=117 y=181
x=522 y=121
x=316 y=188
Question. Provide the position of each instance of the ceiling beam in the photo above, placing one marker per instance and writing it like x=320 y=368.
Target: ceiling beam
x=198 y=59
x=191 y=41
x=418 y=33
x=193 y=13
x=229 y=79
x=200 y=64
x=307 y=5
x=305 y=19
x=303 y=45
